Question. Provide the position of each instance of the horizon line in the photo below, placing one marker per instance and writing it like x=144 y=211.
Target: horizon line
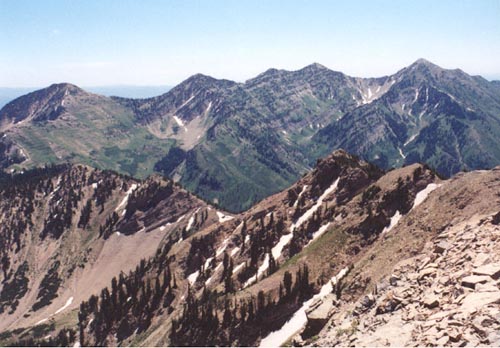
x=493 y=77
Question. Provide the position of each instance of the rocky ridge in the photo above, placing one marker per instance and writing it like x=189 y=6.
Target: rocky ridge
x=448 y=296
x=313 y=264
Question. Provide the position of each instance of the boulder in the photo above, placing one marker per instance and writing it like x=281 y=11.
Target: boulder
x=427 y=272
x=471 y=281
x=442 y=246
x=496 y=219
x=318 y=315
x=481 y=259
x=491 y=270
x=454 y=335
x=393 y=280
x=442 y=341
x=430 y=301
x=388 y=304
x=368 y=301
x=477 y=300
x=486 y=287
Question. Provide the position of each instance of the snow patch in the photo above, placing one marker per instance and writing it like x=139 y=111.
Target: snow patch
x=394 y=221
x=299 y=196
x=299 y=318
x=237 y=268
x=192 y=277
x=276 y=252
x=260 y=271
x=216 y=269
x=207 y=262
x=278 y=248
x=180 y=123
x=223 y=217
x=66 y=305
x=234 y=251
x=125 y=199
x=41 y=321
x=422 y=195
x=186 y=102
x=318 y=233
x=222 y=247
x=401 y=153
x=307 y=215
x=410 y=139
x=180 y=218
x=190 y=223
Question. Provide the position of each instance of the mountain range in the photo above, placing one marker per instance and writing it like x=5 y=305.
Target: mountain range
x=234 y=144
x=348 y=253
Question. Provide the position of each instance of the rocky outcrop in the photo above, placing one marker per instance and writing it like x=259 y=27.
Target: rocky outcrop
x=318 y=315
x=448 y=295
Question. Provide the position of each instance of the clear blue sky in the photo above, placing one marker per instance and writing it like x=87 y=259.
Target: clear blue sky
x=160 y=42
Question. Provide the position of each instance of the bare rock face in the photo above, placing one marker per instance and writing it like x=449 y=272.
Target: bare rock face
x=318 y=315
x=448 y=294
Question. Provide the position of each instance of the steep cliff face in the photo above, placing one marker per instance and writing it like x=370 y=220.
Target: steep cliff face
x=67 y=230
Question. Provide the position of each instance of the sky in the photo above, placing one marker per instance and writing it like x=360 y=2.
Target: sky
x=162 y=42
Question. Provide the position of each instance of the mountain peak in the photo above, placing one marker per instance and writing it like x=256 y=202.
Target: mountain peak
x=424 y=63
x=315 y=67
x=202 y=80
x=61 y=86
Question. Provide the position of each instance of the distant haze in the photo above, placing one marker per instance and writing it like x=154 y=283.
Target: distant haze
x=9 y=94
x=129 y=91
